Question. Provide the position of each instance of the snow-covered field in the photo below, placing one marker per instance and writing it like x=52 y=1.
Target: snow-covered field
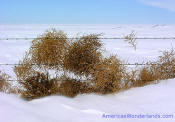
x=151 y=99
x=157 y=99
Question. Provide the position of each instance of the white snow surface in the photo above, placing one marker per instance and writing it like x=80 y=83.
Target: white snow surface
x=155 y=99
x=151 y=99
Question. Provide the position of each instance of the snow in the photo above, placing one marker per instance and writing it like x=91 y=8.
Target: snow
x=151 y=99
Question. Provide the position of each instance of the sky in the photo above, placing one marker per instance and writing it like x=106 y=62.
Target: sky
x=87 y=11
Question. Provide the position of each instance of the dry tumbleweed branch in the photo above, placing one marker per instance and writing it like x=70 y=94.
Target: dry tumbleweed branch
x=131 y=39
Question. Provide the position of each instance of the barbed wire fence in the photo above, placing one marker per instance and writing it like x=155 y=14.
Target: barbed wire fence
x=105 y=38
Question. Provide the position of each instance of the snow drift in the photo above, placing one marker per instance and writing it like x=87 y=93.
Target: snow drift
x=155 y=99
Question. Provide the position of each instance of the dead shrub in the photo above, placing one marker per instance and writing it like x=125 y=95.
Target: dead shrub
x=83 y=54
x=39 y=85
x=48 y=50
x=71 y=87
x=5 y=86
x=107 y=75
x=45 y=54
x=52 y=51
x=131 y=39
x=163 y=68
x=130 y=79
x=147 y=75
x=166 y=64
x=25 y=69
x=83 y=57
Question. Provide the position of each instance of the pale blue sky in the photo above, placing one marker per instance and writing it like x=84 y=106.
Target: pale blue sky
x=87 y=11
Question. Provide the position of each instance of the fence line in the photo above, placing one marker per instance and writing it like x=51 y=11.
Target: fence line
x=105 y=38
x=135 y=64
x=61 y=80
x=116 y=38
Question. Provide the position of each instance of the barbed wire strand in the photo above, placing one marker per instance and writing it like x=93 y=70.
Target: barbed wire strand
x=57 y=65
x=23 y=80
x=117 y=38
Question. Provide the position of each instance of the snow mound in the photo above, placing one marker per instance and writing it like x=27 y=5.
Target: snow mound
x=155 y=99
